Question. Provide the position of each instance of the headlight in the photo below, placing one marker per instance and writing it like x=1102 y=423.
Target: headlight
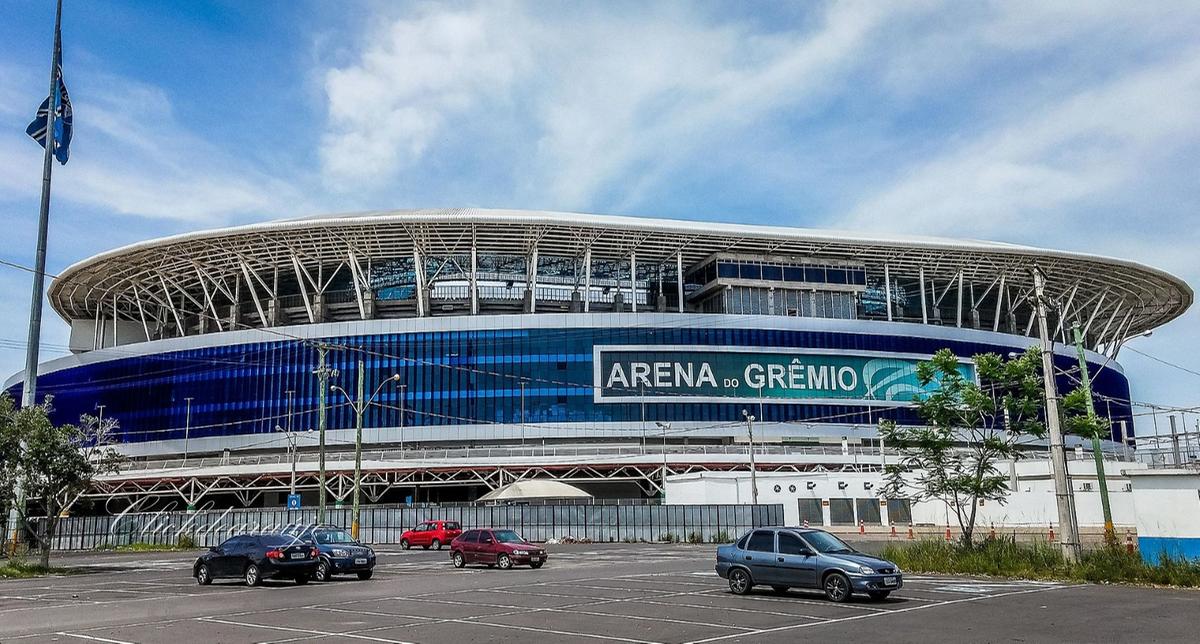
x=338 y=552
x=897 y=569
x=866 y=570
x=520 y=553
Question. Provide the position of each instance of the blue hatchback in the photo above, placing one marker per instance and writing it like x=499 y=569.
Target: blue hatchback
x=784 y=558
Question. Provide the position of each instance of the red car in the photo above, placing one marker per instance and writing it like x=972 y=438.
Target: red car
x=501 y=548
x=433 y=534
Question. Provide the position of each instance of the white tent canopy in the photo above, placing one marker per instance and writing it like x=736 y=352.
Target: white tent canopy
x=534 y=489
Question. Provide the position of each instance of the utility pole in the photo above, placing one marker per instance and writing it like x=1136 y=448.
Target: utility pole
x=360 y=403
x=753 y=470
x=1110 y=535
x=1058 y=457
x=665 y=427
x=322 y=373
x=187 y=428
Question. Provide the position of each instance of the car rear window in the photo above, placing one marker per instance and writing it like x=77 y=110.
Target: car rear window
x=278 y=539
x=453 y=525
x=762 y=541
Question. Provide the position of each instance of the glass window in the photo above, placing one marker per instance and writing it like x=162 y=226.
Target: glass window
x=762 y=541
x=825 y=542
x=333 y=536
x=899 y=511
x=743 y=541
x=814 y=274
x=471 y=536
x=751 y=271
x=841 y=511
x=790 y=544
x=868 y=511
x=810 y=510
x=793 y=273
x=772 y=272
x=453 y=525
x=727 y=269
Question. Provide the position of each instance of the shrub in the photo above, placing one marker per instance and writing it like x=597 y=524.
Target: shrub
x=722 y=537
x=695 y=537
x=187 y=542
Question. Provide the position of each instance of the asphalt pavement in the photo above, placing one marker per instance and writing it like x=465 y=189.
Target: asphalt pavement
x=635 y=593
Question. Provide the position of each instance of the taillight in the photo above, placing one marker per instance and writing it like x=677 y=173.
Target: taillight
x=313 y=552
x=275 y=553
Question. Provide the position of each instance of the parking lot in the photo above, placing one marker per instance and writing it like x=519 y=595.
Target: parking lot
x=586 y=593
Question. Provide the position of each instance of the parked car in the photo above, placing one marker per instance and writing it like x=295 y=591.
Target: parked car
x=255 y=557
x=431 y=534
x=500 y=548
x=784 y=558
x=340 y=554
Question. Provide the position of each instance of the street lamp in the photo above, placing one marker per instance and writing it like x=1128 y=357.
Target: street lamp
x=753 y=473
x=359 y=406
x=187 y=429
x=665 y=427
x=291 y=439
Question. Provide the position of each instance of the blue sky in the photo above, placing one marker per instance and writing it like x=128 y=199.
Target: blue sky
x=1067 y=125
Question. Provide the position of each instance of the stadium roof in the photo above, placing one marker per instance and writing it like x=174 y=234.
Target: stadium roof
x=192 y=270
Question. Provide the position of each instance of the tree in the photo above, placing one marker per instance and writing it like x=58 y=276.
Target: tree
x=56 y=463
x=970 y=427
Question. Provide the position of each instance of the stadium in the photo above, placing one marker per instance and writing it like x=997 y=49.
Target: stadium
x=603 y=351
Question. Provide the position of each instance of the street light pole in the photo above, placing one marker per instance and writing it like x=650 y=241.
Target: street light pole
x=291 y=439
x=753 y=470
x=322 y=372
x=1110 y=535
x=403 y=391
x=522 y=413
x=665 y=427
x=1058 y=457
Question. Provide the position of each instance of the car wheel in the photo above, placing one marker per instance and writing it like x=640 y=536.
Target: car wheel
x=780 y=589
x=203 y=576
x=301 y=579
x=365 y=575
x=504 y=561
x=879 y=595
x=739 y=581
x=404 y=544
x=535 y=565
x=323 y=571
x=253 y=575
x=458 y=559
x=837 y=587
x=437 y=545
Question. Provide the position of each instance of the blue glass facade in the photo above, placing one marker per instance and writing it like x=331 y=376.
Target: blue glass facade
x=469 y=377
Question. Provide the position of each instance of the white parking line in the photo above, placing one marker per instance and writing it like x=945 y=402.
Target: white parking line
x=859 y=617
x=307 y=631
x=92 y=638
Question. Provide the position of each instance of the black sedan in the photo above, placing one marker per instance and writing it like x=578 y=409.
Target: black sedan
x=255 y=557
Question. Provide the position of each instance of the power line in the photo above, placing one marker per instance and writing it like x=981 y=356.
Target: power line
x=1169 y=364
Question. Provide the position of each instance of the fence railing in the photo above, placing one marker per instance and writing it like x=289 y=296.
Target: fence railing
x=384 y=525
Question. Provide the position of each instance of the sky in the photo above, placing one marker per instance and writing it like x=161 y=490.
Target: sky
x=1058 y=124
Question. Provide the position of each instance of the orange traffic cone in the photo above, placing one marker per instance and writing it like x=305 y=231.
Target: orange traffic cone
x=948 y=537
x=1052 y=532
x=910 y=532
x=893 y=531
x=1128 y=542
x=862 y=527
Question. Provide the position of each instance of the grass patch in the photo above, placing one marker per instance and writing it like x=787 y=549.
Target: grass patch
x=1004 y=557
x=142 y=546
x=20 y=569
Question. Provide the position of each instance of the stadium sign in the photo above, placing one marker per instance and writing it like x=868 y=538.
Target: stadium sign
x=656 y=373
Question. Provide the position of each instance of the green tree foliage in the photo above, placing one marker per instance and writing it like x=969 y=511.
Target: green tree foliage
x=56 y=463
x=971 y=426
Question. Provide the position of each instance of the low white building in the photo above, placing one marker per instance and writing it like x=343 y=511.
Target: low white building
x=845 y=498
x=1167 y=512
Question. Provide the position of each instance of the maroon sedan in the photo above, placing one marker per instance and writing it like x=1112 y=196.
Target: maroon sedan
x=502 y=548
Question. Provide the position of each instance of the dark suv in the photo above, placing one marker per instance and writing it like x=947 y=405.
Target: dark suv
x=255 y=557
x=340 y=553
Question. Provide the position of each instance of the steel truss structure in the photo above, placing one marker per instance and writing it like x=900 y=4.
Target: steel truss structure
x=420 y=263
x=248 y=487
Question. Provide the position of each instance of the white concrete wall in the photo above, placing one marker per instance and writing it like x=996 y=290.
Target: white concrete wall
x=1167 y=504
x=1031 y=505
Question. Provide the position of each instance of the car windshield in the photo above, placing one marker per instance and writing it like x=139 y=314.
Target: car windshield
x=508 y=536
x=333 y=536
x=825 y=542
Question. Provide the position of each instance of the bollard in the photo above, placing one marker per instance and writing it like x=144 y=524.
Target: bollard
x=948 y=538
x=893 y=531
x=993 y=533
x=910 y=532
x=1051 y=532
x=1128 y=542
x=862 y=526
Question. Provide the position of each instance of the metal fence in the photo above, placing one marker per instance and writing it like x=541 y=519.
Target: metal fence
x=384 y=525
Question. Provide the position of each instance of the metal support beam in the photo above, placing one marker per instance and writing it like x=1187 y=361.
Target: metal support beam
x=587 y=279
x=633 y=281
x=924 y=308
x=887 y=290
x=419 y=281
x=679 y=278
x=999 y=304
x=531 y=281
x=958 y=310
x=474 y=277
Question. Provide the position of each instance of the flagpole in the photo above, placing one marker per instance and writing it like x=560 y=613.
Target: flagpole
x=29 y=387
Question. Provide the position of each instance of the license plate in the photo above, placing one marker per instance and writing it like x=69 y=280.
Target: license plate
x=535 y=559
x=361 y=561
x=889 y=581
x=299 y=555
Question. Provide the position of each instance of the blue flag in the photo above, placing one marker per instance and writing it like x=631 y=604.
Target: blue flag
x=62 y=119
